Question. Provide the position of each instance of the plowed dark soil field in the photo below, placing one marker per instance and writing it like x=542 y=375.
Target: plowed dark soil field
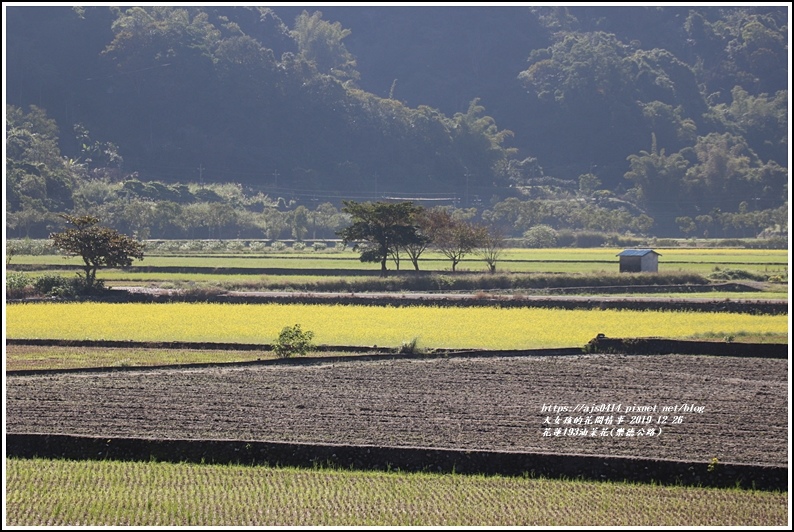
x=485 y=403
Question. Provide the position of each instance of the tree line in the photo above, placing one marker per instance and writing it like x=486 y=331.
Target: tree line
x=381 y=231
x=42 y=184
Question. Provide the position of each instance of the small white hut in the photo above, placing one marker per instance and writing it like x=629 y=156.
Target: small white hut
x=639 y=260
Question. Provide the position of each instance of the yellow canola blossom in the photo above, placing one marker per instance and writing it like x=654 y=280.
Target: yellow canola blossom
x=435 y=327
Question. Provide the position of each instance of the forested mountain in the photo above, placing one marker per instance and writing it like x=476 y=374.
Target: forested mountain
x=560 y=115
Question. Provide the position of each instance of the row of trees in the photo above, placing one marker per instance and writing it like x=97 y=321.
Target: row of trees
x=378 y=230
x=381 y=231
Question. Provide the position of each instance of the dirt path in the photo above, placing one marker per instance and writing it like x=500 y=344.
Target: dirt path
x=471 y=403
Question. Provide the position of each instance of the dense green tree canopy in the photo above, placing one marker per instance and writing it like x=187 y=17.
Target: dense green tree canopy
x=98 y=246
x=380 y=229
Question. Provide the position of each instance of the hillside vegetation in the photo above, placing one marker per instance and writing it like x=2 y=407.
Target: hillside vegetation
x=225 y=121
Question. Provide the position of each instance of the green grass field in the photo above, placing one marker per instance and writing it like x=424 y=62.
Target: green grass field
x=107 y=493
x=513 y=260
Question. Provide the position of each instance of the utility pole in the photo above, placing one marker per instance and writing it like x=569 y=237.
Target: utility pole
x=275 y=176
x=201 y=175
x=466 y=196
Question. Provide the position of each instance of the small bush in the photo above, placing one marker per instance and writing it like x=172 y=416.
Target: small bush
x=257 y=247
x=18 y=285
x=79 y=286
x=293 y=341
x=298 y=246
x=410 y=348
x=444 y=282
x=17 y=280
x=278 y=246
x=319 y=246
x=55 y=285
x=235 y=246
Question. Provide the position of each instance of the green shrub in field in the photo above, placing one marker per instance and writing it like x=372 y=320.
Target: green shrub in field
x=298 y=246
x=18 y=285
x=56 y=285
x=257 y=247
x=234 y=246
x=319 y=246
x=293 y=341
x=278 y=246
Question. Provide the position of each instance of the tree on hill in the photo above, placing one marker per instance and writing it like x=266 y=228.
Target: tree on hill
x=98 y=246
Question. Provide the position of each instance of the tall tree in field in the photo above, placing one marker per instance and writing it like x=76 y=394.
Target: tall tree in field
x=98 y=246
x=417 y=246
x=380 y=229
x=455 y=238
x=491 y=244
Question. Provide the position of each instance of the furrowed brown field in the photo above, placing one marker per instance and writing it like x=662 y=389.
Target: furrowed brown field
x=488 y=403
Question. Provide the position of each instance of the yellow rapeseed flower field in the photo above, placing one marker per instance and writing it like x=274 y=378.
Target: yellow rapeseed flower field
x=436 y=327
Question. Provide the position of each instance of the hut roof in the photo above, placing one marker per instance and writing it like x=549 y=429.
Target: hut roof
x=635 y=253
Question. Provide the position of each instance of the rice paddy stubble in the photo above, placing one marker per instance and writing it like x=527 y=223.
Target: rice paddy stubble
x=109 y=493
